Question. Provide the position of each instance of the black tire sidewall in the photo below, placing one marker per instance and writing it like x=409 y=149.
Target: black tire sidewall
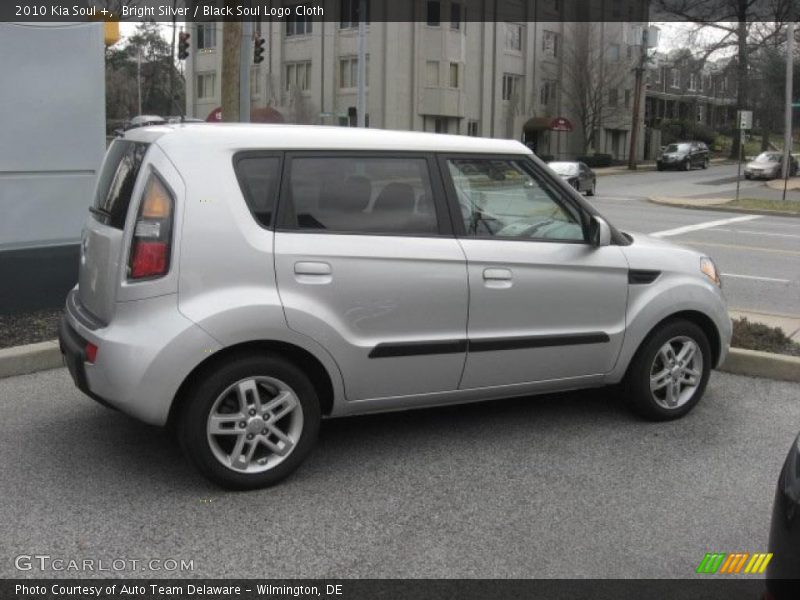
x=637 y=380
x=202 y=395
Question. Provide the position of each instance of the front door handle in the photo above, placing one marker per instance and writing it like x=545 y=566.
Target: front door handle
x=497 y=274
x=312 y=268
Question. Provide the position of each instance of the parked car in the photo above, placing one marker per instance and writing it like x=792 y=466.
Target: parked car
x=577 y=174
x=683 y=155
x=784 y=535
x=238 y=283
x=769 y=165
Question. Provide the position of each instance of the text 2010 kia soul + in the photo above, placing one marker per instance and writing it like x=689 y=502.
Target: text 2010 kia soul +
x=241 y=282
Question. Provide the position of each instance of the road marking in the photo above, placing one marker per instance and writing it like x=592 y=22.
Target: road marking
x=706 y=225
x=754 y=277
x=750 y=232
x=736 y=247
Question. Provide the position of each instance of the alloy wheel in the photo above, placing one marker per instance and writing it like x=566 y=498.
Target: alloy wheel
x=676 y=372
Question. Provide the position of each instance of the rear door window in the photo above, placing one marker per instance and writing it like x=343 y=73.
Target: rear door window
x=115 y=183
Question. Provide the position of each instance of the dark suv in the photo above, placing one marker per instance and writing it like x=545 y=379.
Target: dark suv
x=683 y=155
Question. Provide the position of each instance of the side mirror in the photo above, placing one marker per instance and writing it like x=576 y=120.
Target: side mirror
x=599 y=232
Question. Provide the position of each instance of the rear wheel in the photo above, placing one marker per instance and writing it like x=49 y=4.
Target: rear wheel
x=687 y=165
x=250 y=422
x=705 y=163
x=592 y=189
x=669 y=373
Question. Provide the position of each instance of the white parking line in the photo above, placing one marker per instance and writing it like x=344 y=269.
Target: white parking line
x=750 y=232
x=706 y=225
x=773 y=279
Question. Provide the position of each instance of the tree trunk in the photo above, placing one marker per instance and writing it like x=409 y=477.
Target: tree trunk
x=231 y=49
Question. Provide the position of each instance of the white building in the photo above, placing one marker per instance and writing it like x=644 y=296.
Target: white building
x=435 y=72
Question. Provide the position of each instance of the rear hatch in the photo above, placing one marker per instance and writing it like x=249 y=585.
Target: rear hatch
x=102 y=239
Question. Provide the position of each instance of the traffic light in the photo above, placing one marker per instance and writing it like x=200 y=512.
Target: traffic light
x=183 y=45
x=258 y=50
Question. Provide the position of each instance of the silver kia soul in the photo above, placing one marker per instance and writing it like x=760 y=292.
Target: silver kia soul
x=240 y=282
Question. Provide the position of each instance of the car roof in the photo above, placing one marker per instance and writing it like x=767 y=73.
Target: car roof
x=237 y=136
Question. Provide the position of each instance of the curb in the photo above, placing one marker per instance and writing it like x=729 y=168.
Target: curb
x=754 y=363
x=21 y=360
x=724 y=208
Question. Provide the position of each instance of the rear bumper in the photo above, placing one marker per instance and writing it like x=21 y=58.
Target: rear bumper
x=144 y=354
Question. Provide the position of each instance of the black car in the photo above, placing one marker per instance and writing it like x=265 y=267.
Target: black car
x=784 y=535
x=577 y=174
x=684 y=156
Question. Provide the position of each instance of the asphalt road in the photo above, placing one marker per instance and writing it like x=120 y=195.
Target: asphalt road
x=758 y=256
x=559 y=486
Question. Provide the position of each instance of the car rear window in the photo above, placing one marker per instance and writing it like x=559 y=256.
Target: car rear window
x=115 y=184
x=258 y=178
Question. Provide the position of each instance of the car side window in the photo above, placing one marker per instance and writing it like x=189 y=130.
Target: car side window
x=258 y=178
x=361 y=195
x=502 y=198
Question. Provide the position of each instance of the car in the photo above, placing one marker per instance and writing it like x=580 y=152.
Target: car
x=784 y=535
x=238 y=283
x=684 y=156
x=768 y=165
x=576 y=174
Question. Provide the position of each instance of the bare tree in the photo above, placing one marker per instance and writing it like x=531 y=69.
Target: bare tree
x=592 y=78
x=740 y=26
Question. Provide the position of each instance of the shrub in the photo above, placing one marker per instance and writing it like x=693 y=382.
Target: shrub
x=677 y=130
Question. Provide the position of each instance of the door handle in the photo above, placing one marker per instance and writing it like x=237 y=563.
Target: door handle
x=497 y=274
x=312 y=268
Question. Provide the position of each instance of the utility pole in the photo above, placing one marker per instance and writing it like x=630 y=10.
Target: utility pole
x=361 y=99
x=231 y=49
x=139 y=77
x=637 y=98
x=172 y=103
x=245 y=54
x=787 y=132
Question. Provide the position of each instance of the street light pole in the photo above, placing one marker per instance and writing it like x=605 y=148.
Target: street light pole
x=139 y=77
x=361 y=98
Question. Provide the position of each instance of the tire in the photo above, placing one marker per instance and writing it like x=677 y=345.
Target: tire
x=705 y=163
x=686 y=165
x=659 y=168
x=264 y=398
x=592 y=189
x=662 y=404
x=748 y=176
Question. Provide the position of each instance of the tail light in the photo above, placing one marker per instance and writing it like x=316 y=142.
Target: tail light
x=152 y=235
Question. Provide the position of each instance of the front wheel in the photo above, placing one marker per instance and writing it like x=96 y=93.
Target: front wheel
x=669 y=373
x=705 y=163
x=592 y=189
x=687 y=165
x=250 y=422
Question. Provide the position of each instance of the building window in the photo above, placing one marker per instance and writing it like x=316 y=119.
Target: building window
x=613 y=52
x=513 y=37
x=432 y=73
x=298 y=76
x=453 y=75
x=676 y=78
x=348 y=72
x=658 y=75
x=511 y=85
x=700 y=113
x=547 y=95
x=629 y=51
x=434 y=13
x=472 y=128
x=297 y=24
x=206 y=83
x=692 y=82
x=349 y=15
x=206 y=35
x=627 y=98
x=612 y=96
x=550 y=44
x=455 y=15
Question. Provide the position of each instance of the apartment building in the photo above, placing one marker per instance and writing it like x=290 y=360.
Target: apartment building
x=439 y=70
x=680 y=86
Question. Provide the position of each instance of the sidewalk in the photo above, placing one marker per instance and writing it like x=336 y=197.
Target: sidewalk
x=793 y=183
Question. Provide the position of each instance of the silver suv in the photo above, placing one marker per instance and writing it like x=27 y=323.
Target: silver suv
x=239 y=283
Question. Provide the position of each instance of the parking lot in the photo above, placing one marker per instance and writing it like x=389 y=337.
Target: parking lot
x=568 y=485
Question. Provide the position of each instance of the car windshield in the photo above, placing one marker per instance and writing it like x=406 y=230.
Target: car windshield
x=564 y=168
x=677 y=148
x=765 y=157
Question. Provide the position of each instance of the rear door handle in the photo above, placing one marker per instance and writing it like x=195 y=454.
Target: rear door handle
x=312 y=268
x=497 y=274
